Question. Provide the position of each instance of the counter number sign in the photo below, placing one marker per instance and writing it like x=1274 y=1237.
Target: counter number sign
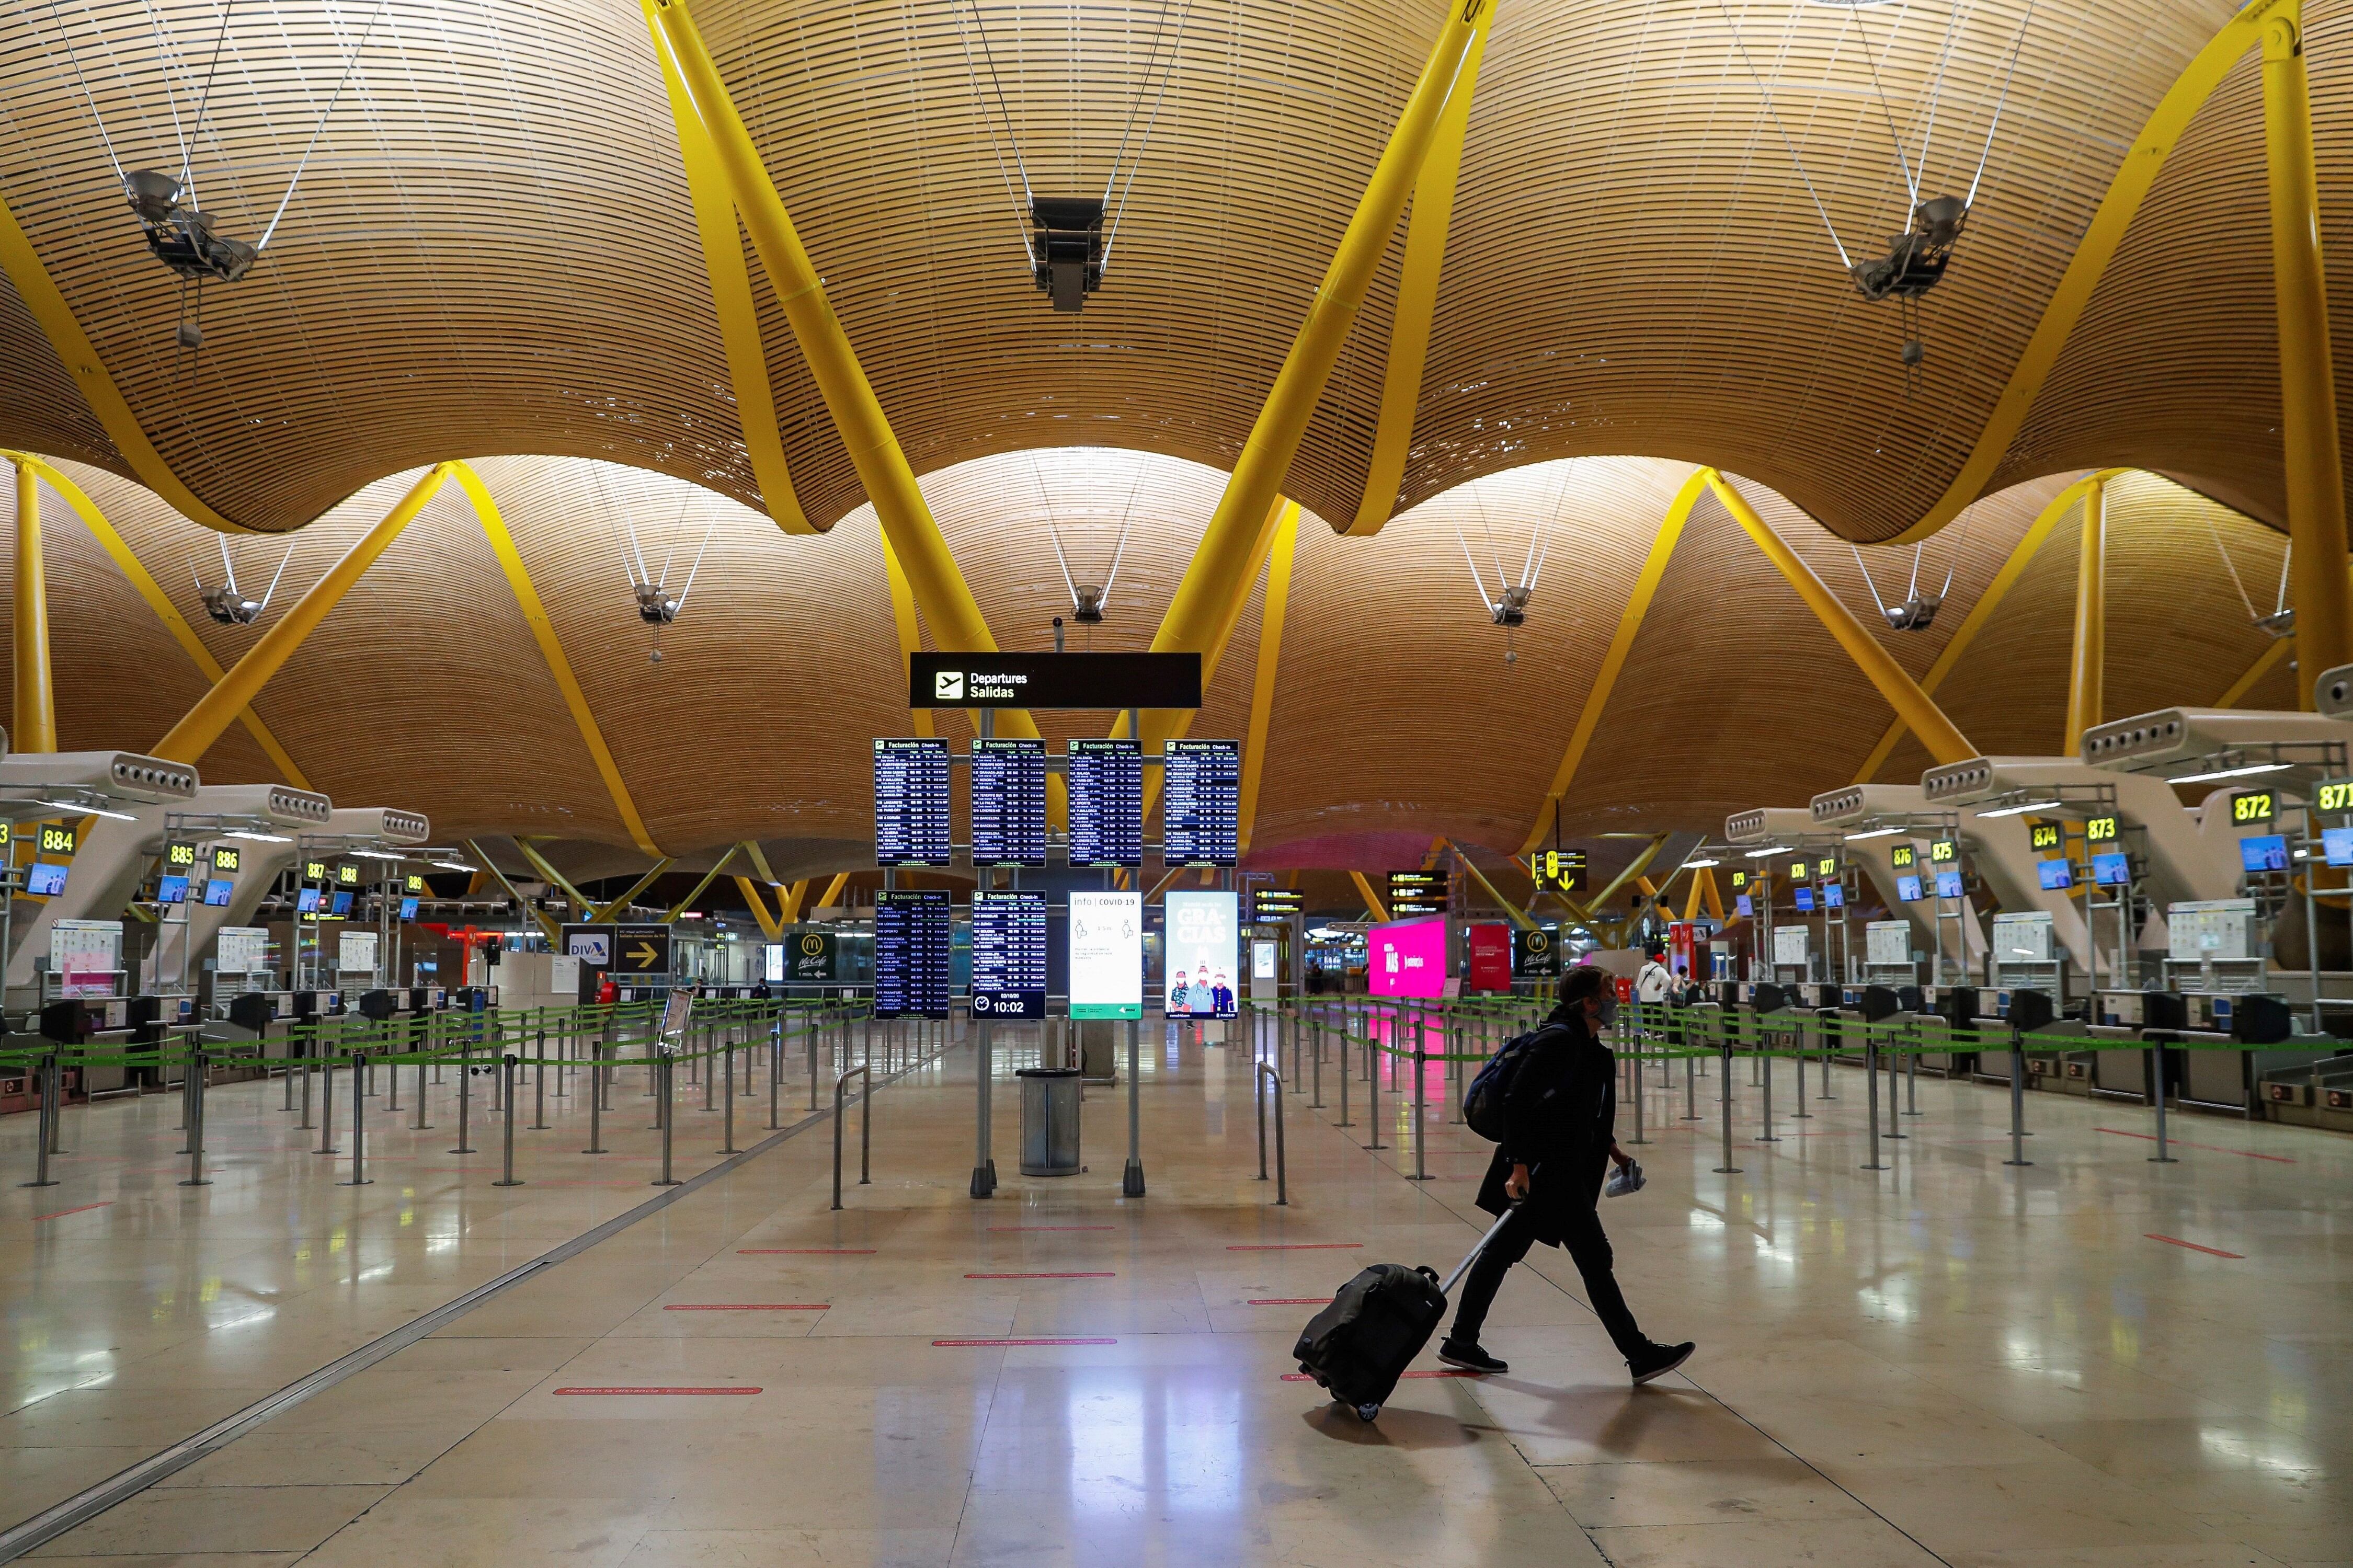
x=1739 y=879
x=348 y=875
x=2252 y=806
x=1902 y=856
x=416 y=883
x=179 y=857
x=2100 y=830
x=227 y=859
x=1943 y=852
x=57 y=840
x=2046 y=834
x=314 y=871
x=2336 y=794
x=1826 y=866
x=1797 y=871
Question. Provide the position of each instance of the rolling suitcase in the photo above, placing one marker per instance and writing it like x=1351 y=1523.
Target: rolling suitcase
x=1359 y=1346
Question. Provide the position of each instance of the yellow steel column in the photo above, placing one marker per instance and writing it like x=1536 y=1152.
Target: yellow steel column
x=1220 y=568
x=874 y=451
x=33 y=723
x=1270 y=661
x=626 y=898
x=218 y=709
x=2316 y=474
x=1364 y=886
x=1914 y=706
x=2087 y=674
x=751 y=891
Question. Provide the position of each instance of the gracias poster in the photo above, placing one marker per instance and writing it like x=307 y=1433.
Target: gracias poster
x=1202 y=956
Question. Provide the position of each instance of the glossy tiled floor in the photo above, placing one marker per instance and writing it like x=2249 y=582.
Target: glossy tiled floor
x=1951 y=1361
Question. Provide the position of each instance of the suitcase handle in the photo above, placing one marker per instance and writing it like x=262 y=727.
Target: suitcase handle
x=1464 y=1267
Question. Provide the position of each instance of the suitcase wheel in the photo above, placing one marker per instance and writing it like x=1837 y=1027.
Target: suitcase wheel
x=1368 y=1412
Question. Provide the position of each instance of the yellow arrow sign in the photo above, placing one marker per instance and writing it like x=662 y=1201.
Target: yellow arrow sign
x=645 y=955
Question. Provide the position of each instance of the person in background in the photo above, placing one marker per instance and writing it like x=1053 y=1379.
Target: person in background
x=1559 y=1113
x=1654 y=988
x=1221 y=995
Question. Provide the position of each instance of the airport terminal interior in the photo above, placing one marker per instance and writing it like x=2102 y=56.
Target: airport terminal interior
x=938 y=784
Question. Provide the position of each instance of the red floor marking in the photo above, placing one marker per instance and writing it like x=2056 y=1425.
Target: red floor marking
x=1290 y=1302
x=1294 y=1247
x=750 y=1307
x=801 y=1251
x=1446 y=1372
x=736 y=1390
x=2209 y=1148
x=2177 y=1241
x=995 y=1342
x=1053 y=1228
x=631 y=1185
x=1061 y=1275
x=83 y=1209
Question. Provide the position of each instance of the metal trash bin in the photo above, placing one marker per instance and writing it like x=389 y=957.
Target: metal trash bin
x=1049 y=1120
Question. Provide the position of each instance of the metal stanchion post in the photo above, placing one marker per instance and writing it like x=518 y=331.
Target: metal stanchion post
x=1727 y=1168
x=865 y=1124
x=1799 y=1055
x=1314 y=1030
x=1372 y=1084
x=596 y=1098
x=816 y=1031
x=665 y=1072
x=506 y=1140
x=1894 y=1128
x=1634 y=1056
x=43 y=1124
x=1765 y=1083
x=1691 y=1086
x=727 y=1069
x=2156 y=1083
x=2016 y=1102
x=195 y=1071
x=327 y=1105
x=391 y=1069
x=1421 y=1106
x=1340 y=1060
x=776 y=1066
x=465 y=1096
x=303 y=1046
x=359 y=1124
x=1281 y=1165
x=539 y=1086
x=1870 y=1075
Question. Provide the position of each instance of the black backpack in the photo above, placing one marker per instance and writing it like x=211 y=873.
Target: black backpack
x=1482 y=1103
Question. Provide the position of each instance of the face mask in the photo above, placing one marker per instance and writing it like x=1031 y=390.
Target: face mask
x=1608 y=1013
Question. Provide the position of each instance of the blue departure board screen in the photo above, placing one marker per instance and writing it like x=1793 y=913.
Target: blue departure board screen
x=912 y=934
x=1008 y=953
x=1908 y=889
x=1806 y=900
x=1201 y=803
x=1008 y=803
x=911 y=802
x=1106 y=781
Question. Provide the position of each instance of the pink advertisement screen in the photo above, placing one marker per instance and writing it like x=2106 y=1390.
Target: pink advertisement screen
x=1408 y=958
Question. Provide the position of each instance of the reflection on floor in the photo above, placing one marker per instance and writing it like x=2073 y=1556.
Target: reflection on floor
x=1948 y=1362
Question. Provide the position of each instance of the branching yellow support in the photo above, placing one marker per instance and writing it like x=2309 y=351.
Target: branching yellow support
x=626 y=898
x=2315 y=467
x=194 y=735
x=1372 y=900
x=769 y=927
x=2087 y=667
x=709 y=876
x=1914 y=706
x=1270 y=661
x=33 y=723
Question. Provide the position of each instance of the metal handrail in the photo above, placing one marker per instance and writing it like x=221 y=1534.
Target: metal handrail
x=1281 y=1176
x=865 y=1126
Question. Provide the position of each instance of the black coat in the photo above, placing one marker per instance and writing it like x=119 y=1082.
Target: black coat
x=1558 y=1120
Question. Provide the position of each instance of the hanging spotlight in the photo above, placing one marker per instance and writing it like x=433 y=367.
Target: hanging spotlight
x=655 y=607
x=1916 y=614
x=1088 y=601
x=1917 y=258
x=1512 y=609
x=225 y=604
x=181 y=237
x=1068 y=247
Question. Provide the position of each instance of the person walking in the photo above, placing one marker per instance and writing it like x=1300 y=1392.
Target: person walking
x=1559 y=1110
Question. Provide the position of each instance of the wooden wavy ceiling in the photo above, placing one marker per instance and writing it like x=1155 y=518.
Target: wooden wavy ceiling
x=1396 y=716
x=494 y=250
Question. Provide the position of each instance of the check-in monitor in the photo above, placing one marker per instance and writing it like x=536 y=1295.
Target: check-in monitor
x=44 y=879
x=1806 y=900
x=343 y=902
x=2264 y=852
x=172 y=890
x=1949 y=884
x=2336 y=843
x=218 y=891
x=307 y=901
x=1908 y=889
x=1833 y=896
x=1746 y=905
x=2054 y=875
x=408 y=909
x=2116 y=871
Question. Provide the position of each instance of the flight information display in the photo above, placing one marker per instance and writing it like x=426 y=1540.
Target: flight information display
x=911 y=802
x=912 y=935
x=1201 y=803
x=1008 y=803
x=1106 y=785
x=1008 y=953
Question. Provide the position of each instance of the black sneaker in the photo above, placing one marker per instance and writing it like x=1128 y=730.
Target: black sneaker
x=1471 y=1358
x=1658 y=1361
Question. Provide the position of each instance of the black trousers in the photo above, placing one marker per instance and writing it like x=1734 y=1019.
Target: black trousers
x=1588 y=1248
